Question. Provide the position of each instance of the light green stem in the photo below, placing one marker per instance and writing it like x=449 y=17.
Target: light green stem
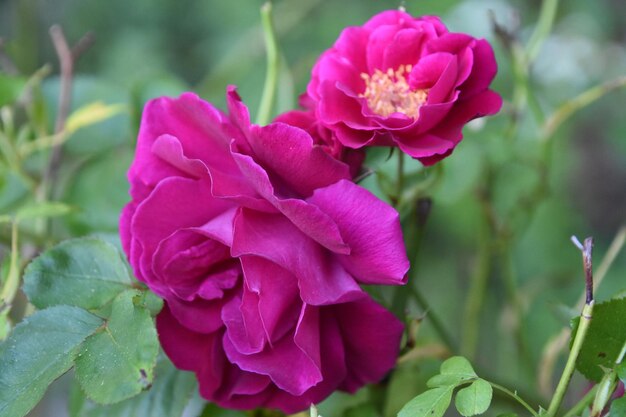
x=271 y=77
x=579 y=102
x=514 y=396
x=11 y=284
x=476 y=296
x=542 y=30
x=557 y=399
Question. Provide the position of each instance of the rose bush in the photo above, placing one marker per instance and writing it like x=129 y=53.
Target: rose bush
x=257 y=240
x=403 y=81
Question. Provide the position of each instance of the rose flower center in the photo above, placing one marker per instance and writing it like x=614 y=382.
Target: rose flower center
x=389 y=92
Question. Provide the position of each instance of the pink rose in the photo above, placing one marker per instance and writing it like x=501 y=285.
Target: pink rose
x=406 y=82
x=257 y=240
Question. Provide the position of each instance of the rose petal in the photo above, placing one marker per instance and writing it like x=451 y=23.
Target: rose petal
x=321 y=278
x=371 y=228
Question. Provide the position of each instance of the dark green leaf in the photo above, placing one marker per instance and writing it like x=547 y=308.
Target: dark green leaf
x=362 y=410
x=118 y=362
x=212 y=410
x=168 y=396
x=454 y=371
x=431 y=403
x=39 y=350
x=474 y=399
x=604 y=339
x=85 y=272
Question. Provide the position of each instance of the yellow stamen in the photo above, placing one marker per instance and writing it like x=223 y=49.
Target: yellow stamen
x=389 y=92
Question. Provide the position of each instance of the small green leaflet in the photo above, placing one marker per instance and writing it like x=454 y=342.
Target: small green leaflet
x=40 y=349
x=86 y=272
x=117 y=362
x=618 y=407
x=474 y=399
x=471 y=400
x=454 y=371
x=169 y=395
x=432 y=403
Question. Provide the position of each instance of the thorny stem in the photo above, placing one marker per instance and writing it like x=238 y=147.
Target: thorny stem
x=271 y=78
x=585 y=319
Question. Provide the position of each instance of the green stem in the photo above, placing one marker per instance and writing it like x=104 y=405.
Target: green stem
x=476 y=296
x=585 y=320
x=570 y=107
x=400 y=176
x=9 y=289
x=514 y=396
x=542 y=30
x=271 y=78
x=580 y=406
x=433 y=318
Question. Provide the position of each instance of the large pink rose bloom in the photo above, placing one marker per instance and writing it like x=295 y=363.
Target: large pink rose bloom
x=406 y=82
x=257 y=240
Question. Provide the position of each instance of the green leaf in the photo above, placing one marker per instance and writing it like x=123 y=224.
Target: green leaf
x=618 y=407
x=168 y=396
x=39 y=350
x=91 y=114
x=118 y=362
x=474 y=399
x=621 y=371
x=151 y=302
x=431 y=403
x=85 y=272
x=42 y=210
x=10 y=88
x=604 y=339
x=454 y=371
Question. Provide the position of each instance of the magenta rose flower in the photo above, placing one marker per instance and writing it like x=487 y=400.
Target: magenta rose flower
x=406 y=82
x=257 y=240
x=322 y=136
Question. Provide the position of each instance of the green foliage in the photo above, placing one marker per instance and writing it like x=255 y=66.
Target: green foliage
x=474 y=399
x=454 y=373
x=39 y=350
x=168 y=396
x=42 y=210
x=618 y=407
x=10 y=88
x=433 y=402
x=114 y=355
x=117 y=362
x=604 y=341
x=85 y=272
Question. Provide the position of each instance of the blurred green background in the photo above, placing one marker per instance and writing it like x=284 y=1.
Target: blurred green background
x=145 y=49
